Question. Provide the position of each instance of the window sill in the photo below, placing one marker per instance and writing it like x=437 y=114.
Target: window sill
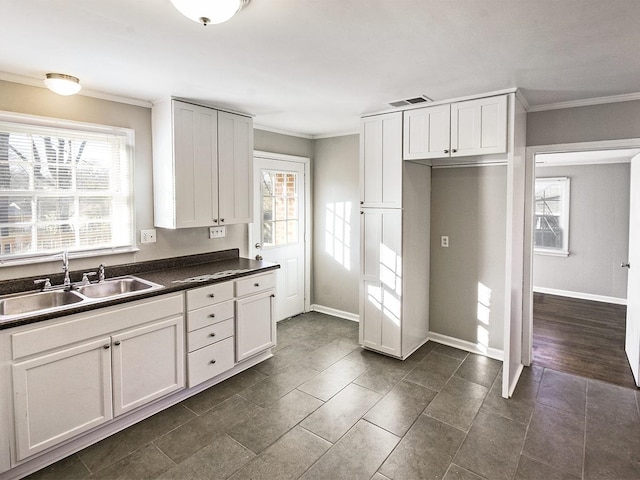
x=551 y=253
x=54 y=257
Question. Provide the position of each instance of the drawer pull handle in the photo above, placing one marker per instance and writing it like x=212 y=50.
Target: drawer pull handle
x=212 y=295
x=212 y=334
x=212 y=361
x=212 y=315
x=256 y=284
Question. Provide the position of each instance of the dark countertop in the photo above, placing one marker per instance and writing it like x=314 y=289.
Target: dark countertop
x=169 y=273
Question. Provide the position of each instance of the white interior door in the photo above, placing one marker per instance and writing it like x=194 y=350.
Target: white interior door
x=278 y=230
x=632 y=341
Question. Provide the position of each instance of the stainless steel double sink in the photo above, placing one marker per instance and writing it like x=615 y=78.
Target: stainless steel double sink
x=32 y=303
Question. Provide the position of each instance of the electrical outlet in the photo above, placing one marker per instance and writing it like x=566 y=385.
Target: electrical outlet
x=444 y=241
x=147 y=236
x=217 y=232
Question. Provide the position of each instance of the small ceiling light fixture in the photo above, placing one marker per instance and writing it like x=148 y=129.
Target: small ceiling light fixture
x=209 y=11
x=62 y=84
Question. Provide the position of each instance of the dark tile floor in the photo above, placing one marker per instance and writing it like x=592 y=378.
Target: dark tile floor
x=324 y=408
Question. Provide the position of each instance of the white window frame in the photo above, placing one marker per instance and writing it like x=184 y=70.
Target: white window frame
x=565 y=189
x=129 y=137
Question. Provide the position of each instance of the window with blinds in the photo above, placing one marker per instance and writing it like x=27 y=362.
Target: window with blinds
x=63 y=186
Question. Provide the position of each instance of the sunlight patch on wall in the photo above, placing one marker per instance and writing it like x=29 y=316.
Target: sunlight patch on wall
x=483 y=315
x=338 y=232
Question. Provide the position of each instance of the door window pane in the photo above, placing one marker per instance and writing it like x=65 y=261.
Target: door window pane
x=280 y=208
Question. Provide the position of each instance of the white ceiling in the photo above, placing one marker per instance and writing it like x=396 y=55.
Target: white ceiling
x=313 y=67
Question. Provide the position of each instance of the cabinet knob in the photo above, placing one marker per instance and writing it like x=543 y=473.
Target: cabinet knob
x=116 y=343
x=446 y=151
x=212 y=295
x=212 y=361
x=273 y=295
x=222 y=220
x=212 y=334
x=256 y=284
x=215 y=220
x=106 y=347
x=361 y=202
x=212 y=315
x=454 y=150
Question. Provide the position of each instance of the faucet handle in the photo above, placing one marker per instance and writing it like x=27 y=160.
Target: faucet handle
x=45 y=282
x=85 y=277
x=101 y=273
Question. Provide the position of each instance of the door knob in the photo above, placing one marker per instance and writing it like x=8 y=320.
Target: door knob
x=258 y=257
x=626 y=265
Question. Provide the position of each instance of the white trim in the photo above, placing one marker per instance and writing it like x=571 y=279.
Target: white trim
x=466 y=346
x=354 y=317
x=281 y=132
x=580 y=295
x=441 y=102
x=627 y=97
x=335 y=134
x=37 y=82
x=308 y=238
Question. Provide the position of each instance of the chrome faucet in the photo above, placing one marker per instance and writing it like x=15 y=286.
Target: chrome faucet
x=65 y=268
x=101 y=273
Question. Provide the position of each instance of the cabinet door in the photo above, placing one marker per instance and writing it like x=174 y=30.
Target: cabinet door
x=148 y=363
x=255 y=327
x=195 y=137
x=381 y=280
x=426 y=133
x=381 y=161
x=60 y=395
x=235 y=168
x=479 y=127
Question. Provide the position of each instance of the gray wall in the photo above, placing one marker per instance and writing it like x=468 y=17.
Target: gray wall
x=20 y=98
x=468 y=204
x=598 y=232
x=335 y=181
x=611 y=121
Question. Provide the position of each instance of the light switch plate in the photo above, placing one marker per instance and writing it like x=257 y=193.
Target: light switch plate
x=444 y=241
x=217 y=232
x=147 y=236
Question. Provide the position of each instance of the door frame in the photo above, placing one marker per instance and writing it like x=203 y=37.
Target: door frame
x=527 y=300
x=306 y=162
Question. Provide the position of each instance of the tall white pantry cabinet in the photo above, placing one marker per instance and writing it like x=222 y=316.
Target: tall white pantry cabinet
x=394 y=225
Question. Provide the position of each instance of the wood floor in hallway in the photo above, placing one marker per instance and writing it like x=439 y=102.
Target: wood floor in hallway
x=581 y=337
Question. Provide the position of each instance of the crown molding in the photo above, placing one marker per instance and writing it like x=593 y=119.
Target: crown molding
x=281 y=132
x=38 y=82
x=627 y=97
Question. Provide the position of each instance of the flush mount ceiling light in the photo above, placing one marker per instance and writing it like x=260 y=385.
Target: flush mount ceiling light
x=62 y=84
x=209 y=11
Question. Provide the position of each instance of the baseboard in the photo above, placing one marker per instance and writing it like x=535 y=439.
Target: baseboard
x=354 y=317
x=466 y=346
x=581 y=296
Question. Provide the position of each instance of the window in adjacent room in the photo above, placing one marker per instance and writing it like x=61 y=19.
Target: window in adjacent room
x=63 y=186
x=551 y=227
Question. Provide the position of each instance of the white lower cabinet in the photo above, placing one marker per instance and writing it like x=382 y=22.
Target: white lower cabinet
x=74 y=375
x=255 y=328
x=148 y=363
x=61 y=394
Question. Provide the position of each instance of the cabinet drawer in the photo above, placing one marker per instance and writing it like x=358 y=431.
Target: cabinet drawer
x=210 y=334
x=203 y=296
x=209 y=315
x=256 y=284
x=210 y=361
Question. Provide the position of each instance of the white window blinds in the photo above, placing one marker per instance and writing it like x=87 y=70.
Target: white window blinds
x=63 y=188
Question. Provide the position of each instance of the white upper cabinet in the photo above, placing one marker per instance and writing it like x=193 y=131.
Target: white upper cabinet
x=201 y=166
x=427 y=132
x=479 y=127
x=472 y=127
x=381 y=161
x=235 y=154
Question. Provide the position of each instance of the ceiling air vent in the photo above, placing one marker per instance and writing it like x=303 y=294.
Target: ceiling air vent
x=410 y=101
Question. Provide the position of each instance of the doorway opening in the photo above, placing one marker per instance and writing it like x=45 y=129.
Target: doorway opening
x=576 y=310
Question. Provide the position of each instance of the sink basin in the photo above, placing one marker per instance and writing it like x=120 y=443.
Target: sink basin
x=34 y=302
x=116 y=287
